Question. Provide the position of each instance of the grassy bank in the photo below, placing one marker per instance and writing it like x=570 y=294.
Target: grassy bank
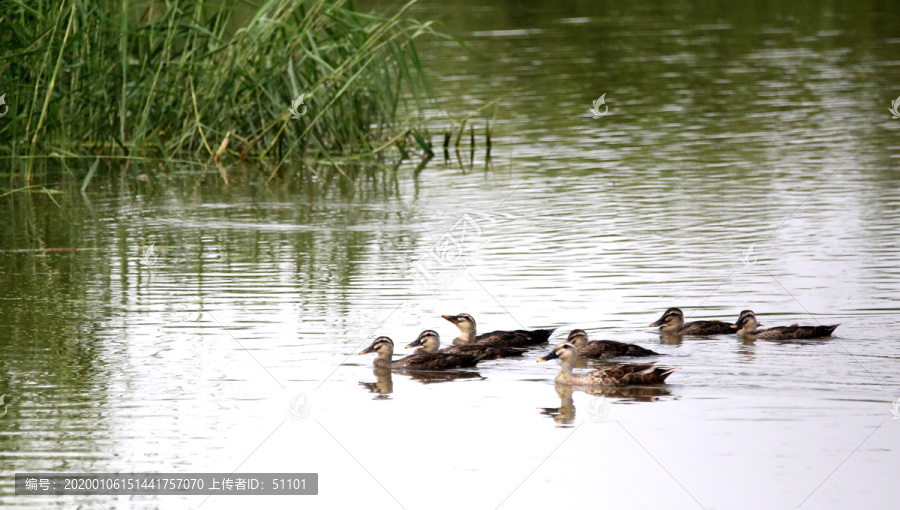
x=189 y=80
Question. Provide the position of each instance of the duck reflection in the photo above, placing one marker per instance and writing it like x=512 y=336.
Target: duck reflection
x=670 y=338
x=597 y=410
x=426 y=377
x=565 y=413
x=746 y=348
x=383 y=386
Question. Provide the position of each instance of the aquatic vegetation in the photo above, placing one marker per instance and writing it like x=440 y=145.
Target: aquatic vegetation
x=182 y=80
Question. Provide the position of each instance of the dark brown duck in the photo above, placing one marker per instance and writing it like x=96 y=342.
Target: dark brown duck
x=429 y=341
x=747 y=326
x=384 y=346
x=517 y=338
x=672 y=322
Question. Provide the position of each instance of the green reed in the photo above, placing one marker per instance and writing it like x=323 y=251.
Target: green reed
x=182 y=80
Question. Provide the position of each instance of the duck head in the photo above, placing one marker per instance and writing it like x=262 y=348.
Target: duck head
x=428 y=340
x=463 y=321
x=466 y=324
x=578 y=338
x=565 y=351
x=746 y=323
x=671 y=320
x=383 y=345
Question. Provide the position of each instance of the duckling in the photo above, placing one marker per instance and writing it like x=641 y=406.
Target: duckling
x=429 y=341
x=604 y=348
x=517 y=338
x=672 y=322
x=384 y=346
x=747 y=325
x=613 y=375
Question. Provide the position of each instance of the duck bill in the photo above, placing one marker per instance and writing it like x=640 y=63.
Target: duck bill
x=416 y=343
x=367 y=350
x=548 y=357
x=452 y=318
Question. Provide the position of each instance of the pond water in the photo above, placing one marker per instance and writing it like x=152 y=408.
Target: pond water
x=747 y=159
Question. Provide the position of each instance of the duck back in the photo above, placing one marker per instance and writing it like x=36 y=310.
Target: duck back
x=705 y=328
x=612 y=349
x=517 y=338
x=435 y=361
x=796 y=332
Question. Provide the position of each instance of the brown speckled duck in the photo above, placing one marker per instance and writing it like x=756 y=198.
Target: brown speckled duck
x=613 y=375
x=747 y=325
x=517 y=338
x=604 y=348
x=384 y=346
x=429 y=341
x=672 y=323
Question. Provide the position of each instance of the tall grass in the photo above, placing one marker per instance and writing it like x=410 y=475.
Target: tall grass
x=180 y=79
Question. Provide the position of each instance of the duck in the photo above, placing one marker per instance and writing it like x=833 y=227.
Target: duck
x=429 y=341
x=517 y=338
x=384 y=346
x=672 y=322
x=613 y=375
x=605 y=348
x=747 y=325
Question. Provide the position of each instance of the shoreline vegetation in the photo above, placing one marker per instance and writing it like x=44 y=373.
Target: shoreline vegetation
x=198 y=82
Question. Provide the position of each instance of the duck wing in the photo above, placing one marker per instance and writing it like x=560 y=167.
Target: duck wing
x=796 y=332
x=517 y=338
x=484 y=351
x=612 y=349
x=624 y=375
x=435 y=361
x=705 y=328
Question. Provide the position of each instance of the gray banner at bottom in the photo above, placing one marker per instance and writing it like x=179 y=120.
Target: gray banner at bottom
x=162 y=484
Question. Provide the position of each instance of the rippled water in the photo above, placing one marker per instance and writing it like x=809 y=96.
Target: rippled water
x=748 y=160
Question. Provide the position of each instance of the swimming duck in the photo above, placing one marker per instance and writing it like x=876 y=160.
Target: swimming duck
x=384 y=346
x=517 y=338
x=672 y=322
x=604 y=348
x=613 y=375
x=747 y=326
x=429 y=341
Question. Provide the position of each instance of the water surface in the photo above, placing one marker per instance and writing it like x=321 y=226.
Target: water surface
x=747 y=160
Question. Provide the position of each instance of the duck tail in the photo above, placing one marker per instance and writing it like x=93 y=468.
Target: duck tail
x=665 y=372
x=826 y=330
x=542 y=335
